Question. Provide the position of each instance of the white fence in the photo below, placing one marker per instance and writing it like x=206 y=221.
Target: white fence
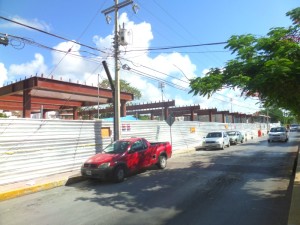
x=35 y=148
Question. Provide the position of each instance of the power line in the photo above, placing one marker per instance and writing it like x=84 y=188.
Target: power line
x=179 y=24
x=34 y=43
x=53 y=35
x=156 y=71
x=157 y=79
x=178 y=46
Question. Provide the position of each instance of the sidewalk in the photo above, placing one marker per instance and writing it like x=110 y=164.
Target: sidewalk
x=44 y=183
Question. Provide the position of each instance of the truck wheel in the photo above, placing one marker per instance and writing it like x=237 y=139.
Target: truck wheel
x=119 y=174
x=162 y=162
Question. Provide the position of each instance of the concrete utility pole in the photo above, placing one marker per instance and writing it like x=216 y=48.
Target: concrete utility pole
x=115 y=9
x=161 y=85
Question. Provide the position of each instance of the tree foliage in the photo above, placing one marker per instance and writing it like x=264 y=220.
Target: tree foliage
x=124 y=86
x=267 y=67
x=3 y=115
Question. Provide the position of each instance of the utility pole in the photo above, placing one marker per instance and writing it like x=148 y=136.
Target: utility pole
x=267 y=120
x=115 y=9
x=161 y=85
x=98 y=97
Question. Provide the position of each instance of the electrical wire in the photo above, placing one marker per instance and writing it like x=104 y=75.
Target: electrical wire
x=25 y=41
x=82 y=33
x=176 y=47
x=154 y=70
x=157 y=79
x=179 y=34
x=50 y=34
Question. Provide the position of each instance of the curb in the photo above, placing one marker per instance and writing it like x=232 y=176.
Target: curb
x=29 y=190
x=294 y=218
x=40 y=187
x=180 y=152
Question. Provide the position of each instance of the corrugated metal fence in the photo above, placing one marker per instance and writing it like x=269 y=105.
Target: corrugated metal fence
x=35 y=148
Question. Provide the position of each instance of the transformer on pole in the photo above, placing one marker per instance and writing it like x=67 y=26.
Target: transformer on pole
x=117 y=42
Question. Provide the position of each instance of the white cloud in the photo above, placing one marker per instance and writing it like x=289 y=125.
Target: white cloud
x=3 y=74
x=36 y=66
x=105 y=44
x=204 y=72
x=71 y=65
x=36 y=23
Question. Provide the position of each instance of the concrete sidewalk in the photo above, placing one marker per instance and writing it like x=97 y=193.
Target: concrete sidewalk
x=18 y=189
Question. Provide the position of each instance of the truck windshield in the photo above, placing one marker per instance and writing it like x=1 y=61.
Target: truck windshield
x=117 y=147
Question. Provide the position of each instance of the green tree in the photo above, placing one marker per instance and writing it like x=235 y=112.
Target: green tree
x=124 y=86
x=3 y=115
x=267 y=67
x=275 y=114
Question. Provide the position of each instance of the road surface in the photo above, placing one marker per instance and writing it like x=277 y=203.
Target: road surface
x=245 y=184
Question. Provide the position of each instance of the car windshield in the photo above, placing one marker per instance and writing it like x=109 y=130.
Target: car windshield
x=231 y=133
x=214 y=135
x=117 y=147
x=277 y=129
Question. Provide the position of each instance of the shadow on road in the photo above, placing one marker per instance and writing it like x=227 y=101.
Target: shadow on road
x=221 y=186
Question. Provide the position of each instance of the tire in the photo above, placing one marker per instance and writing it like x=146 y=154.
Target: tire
x=269 y=140
x=223 y=147
x=119 y=174
x=242 y=141
x=162 y=162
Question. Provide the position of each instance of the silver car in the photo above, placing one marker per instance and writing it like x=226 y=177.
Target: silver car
x=278 y=134
x=294 y=127
x=216 y=140
x=235 y=137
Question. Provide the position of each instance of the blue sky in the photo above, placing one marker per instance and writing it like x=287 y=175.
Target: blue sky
x=158 y=23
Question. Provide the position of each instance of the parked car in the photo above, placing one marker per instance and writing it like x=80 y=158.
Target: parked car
x=216 y=140
x=278 y=134
x=294 y=127
x=122 y=157
x=235 y=136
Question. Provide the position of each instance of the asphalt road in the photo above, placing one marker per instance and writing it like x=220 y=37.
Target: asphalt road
x=241 y=185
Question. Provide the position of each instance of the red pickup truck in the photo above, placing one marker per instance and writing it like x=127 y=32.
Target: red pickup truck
x=122 y=157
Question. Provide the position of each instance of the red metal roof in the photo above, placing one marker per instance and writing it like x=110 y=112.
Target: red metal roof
x=38 y=92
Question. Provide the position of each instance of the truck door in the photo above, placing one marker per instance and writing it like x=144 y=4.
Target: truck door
x=135 y=158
